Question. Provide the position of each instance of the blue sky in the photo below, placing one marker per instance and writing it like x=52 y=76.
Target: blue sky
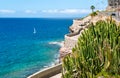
x=48 y=8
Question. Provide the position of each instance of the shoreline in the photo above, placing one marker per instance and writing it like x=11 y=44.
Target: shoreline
x=47 y=72
x=56 y=62
x=66 y=45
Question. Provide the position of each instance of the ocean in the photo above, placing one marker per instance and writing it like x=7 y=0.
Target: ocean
x=23 y=52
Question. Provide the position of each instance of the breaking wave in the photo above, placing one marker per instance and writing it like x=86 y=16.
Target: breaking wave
x=56 y=43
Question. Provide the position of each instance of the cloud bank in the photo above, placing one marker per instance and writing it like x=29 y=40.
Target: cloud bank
x=68 y=11
x=54 y=11
x=4 y=11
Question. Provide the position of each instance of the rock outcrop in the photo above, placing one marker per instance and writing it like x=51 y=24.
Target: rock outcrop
x=78 y=26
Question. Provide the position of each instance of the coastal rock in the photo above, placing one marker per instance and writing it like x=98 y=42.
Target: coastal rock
x=76 y=29
x=64 y=51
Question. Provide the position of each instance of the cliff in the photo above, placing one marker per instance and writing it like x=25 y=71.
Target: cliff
x=78 y=26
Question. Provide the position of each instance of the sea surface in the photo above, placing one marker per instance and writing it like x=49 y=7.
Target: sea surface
x=23 y=52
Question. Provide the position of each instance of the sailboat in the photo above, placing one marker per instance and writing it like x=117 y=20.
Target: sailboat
x=34 y=31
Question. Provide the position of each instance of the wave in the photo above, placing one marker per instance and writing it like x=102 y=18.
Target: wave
x=53 y=63
x=56 y=56
x=57 y=43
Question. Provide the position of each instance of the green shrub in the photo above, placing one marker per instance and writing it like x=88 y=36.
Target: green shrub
x=96 y=54
x=93 y=14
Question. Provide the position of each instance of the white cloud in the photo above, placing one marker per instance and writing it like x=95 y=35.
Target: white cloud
x=50 y=11
x=68 y=11
x=30 y=12
x=4 y=11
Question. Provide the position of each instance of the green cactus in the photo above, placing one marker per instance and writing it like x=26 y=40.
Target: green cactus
x=96 y=54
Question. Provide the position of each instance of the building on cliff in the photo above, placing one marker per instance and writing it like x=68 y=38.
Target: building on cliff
x=113 y=5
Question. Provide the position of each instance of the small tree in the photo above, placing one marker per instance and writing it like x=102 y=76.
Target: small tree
x=92 y=8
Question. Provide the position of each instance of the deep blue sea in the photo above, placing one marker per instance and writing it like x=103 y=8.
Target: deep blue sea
x=22 y=52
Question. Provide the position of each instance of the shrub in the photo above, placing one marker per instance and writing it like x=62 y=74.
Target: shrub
x=93 y=14
x=96 y=54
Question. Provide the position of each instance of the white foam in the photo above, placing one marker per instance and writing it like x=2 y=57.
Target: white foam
x=56 y=56
x=53 y=63
x=56 y=43
x=45 y=66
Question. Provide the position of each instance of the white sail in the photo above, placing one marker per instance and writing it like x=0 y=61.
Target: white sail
x=34 y=31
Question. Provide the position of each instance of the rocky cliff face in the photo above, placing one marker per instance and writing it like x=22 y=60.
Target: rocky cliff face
x=71 y=39
x=76 y=30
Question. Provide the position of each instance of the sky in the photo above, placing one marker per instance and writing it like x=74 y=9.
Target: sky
x=48 y=8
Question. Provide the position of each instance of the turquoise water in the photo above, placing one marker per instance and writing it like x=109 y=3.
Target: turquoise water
x=22 y=52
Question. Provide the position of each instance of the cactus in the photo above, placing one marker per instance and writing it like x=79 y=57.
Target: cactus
x=97 y=53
